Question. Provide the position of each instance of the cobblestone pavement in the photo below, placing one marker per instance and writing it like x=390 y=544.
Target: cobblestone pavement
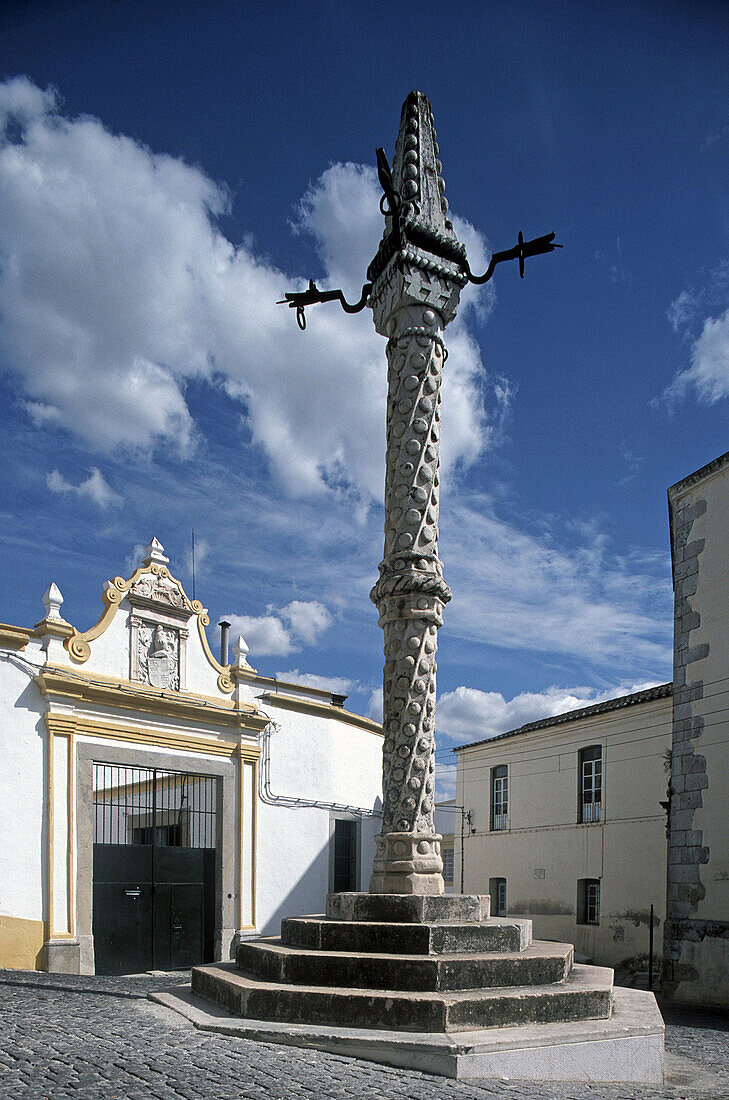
x=77 y=1037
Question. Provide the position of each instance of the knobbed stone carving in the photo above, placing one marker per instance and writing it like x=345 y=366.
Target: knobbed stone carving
x=415 y=292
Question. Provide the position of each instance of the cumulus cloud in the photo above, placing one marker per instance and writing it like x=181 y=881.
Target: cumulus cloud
x=339 y=685
x=268 y=636
x=265 y=635
x=117 y=288
x=468 y=714
x=307 y=619
x=94 y=488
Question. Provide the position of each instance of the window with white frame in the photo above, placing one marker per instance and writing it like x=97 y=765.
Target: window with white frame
x=588 y=901
x=448 y=866
x=590 y=783
x=500 y=797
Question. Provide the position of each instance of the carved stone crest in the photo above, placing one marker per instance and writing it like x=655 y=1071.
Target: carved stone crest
x=158 y=656
x=159 y=590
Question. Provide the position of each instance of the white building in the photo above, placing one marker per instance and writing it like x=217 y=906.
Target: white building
x=569 y=814
x=567 y=827
x=157 y=805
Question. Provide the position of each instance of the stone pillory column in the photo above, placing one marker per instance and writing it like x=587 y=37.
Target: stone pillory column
x=416 y=279
x=414 y=286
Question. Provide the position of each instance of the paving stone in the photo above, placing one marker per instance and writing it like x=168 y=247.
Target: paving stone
x=102 y=1039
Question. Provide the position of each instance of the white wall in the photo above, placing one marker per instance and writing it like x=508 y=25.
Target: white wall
x=22 y=787
x=314 y=758
x=545 y=851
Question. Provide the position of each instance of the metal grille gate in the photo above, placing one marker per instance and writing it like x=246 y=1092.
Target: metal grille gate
x=154 y=869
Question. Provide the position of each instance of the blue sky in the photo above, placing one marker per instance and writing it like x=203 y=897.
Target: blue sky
x=168 y=170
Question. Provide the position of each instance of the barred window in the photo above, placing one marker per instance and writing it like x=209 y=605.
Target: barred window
x=448 y=866
x=588 y=901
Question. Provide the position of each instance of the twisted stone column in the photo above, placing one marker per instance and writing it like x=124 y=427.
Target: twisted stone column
x=410 y=596
x=416 y=280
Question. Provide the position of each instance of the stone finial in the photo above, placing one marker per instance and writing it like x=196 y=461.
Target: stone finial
x=416 y=169
x=52 y=600
x=420 y=261
x=154 y=554
x=240 y=649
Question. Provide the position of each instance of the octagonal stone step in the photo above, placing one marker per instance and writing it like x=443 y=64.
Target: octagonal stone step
x=319 y=933
x=540 y=964
x=585 y=995
x=409 y=908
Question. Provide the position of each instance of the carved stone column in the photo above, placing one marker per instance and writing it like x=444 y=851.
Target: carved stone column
x=416 y=278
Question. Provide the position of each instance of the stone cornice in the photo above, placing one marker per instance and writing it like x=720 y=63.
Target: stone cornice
x=14 y=637
x=711 y=468
x=249 y=676
x=68 y=684
x=321 y=710
x=71 y=725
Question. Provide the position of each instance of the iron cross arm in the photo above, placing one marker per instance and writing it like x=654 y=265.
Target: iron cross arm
x=312 y=296
x=523 y=249
x=390 y=206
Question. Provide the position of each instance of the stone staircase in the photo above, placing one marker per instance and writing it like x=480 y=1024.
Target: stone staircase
x=407 y=963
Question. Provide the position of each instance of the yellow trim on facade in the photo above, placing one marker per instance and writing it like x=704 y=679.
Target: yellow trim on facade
x=291 y=702
x=55 y=628
x=157 y=738
x=246 y=756
x=77 y=642
x=50 y=839
x=241 y=837
x=14 y=637
x=21 y=943
x=63 y=725
x=125 y=695
x=71 y=825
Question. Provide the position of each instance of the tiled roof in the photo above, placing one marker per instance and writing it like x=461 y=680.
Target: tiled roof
x=661 y=691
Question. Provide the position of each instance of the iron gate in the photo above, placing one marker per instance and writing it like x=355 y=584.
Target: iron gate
x=154 y=869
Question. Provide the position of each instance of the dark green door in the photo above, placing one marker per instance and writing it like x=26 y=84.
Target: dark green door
x=154 y=869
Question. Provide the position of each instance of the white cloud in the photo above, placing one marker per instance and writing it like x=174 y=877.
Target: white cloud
x=267 y=636
x=202 y=552
x=708 y=374
x=445 y=789
x=307 y=619
x=95 y=487
x=340 y=685
x=117 y=288
x=134 y=560
x=468 y=714
x=682 y=311
x=375 y=704
x=522 y=590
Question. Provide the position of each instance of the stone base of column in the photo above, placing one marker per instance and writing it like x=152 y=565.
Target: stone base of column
x=407 y=863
